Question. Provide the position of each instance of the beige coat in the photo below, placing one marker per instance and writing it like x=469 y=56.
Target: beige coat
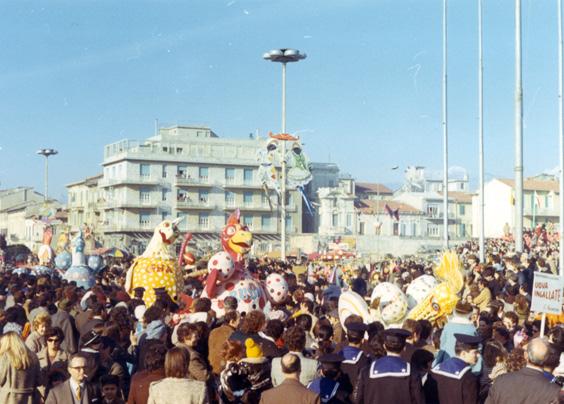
x=19 y=386
x=172 y=390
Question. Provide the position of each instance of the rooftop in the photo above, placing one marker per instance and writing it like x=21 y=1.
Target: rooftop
x=372 y=188
x=371 y=207
x=534 y=184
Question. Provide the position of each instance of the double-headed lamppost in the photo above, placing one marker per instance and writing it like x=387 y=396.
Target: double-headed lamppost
x=283 y=56
x=46 y=153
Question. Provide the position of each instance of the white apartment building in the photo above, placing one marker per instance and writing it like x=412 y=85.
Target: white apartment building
x=541 y=200
x=337 y=214
x=192 y=173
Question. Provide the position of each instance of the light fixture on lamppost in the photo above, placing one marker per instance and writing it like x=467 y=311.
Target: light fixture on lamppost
x=283 y=56
x=46 y=153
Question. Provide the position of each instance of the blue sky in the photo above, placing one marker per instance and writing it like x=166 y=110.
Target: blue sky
x=76 y=75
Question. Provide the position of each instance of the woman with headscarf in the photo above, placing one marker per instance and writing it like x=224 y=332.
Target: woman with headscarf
x=19 y=371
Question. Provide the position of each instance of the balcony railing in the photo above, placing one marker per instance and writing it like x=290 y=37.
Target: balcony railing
x=137 y=180
x=184 y=180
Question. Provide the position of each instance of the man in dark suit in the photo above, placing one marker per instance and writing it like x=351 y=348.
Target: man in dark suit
x=456 y=383
x=75 y=390
x=528 y=385
x=290 y=390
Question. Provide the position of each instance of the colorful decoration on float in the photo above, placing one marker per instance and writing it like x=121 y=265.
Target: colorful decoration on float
x=79 y=272
x=226 y=271
x=157 y=267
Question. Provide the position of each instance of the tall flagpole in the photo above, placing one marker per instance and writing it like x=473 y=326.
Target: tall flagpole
x=561 y=138
x=518 y=132
x=481 y=131
x=445 y=131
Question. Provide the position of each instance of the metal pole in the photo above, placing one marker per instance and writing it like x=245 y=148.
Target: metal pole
x=481 y=132
x=283 y=176
x=561 y=138
x=445 y=131
x=46 y=178
x=518 y=132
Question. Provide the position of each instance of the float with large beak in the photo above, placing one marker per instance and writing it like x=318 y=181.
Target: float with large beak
x=157 y=267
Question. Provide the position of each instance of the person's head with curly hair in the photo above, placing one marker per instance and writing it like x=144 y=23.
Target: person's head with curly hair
x=253 y=322
x=516 y=360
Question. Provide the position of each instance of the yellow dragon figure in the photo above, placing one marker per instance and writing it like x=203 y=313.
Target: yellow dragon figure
x=443 y=298
x=157 y=267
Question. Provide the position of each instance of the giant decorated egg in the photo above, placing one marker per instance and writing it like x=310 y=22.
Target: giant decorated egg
x=223 y=264
x=248 y=292
x=276 y=288
x=82 y=275
x=390 y=302
x=63 y=261
x=419 y=289
x=96 y=263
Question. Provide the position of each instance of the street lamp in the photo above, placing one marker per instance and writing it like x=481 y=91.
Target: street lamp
x=283 y=56
x=46 y=153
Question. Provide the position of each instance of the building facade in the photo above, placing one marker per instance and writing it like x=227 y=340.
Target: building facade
x=541 y=200
x=84 y=203
x=192 y=173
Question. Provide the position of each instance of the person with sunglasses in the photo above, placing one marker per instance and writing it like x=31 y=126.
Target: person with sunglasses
x=52 y=356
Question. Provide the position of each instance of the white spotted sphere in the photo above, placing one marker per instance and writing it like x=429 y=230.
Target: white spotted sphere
x=390 y=302
x=223 y=263
x=419 y=289
x=276 y=288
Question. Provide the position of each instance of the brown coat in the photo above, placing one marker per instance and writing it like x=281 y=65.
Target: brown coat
x=140 y=382
x=289 y=391
x=217 y=338
x=524 y=386
x=19 y=386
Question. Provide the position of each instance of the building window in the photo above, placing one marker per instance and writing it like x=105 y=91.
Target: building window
x=289 y=224
x=144 y=219
x=433 y=230
x=145 y=196
x=164 y=196
x=462 y=210
x=181 y=171
x=361 y=228
x=248 y=221
x=164 y=171
x=248 y=176
x=229 y=175
x=182 y=196
x=164 y=215
x=203 y=196
x=144 y=170
x=264 y=199
x=248 y=198
x=462 y=230
x=204 y=220
x=349 y=220
x=432 y=211
x=203 y=174
x=265 y=221
x=229 y=199
x=335 y=220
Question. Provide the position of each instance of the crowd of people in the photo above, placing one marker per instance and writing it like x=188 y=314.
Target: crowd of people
x=62 y=344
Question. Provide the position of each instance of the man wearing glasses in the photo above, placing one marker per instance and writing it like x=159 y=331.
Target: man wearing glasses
x=75 y=390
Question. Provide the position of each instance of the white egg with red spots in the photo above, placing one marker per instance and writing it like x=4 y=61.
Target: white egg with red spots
x=223 y=264
x=276 y=288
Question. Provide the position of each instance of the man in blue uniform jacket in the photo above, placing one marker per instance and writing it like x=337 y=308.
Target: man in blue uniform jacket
x=455 y=381
x=389 y=379
x=331 y=386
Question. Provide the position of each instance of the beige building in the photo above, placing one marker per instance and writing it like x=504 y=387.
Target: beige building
x=23 y=214
x=84 y=202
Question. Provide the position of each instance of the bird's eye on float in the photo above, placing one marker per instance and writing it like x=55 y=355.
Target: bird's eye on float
x=230 y=230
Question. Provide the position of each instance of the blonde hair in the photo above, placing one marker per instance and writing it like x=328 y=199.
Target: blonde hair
x=12 y=345
x=40 y=319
